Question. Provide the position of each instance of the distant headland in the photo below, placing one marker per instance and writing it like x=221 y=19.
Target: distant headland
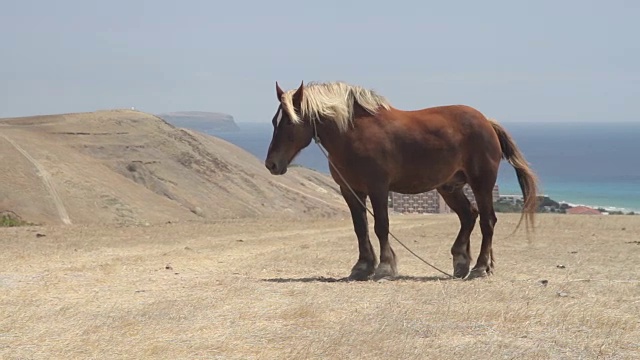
x=201 y=120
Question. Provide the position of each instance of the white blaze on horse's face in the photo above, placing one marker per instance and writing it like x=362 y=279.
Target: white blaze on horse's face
x=279 y=117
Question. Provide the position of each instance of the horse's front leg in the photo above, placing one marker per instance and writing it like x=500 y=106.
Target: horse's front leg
x=366 y=264
x=380 y=205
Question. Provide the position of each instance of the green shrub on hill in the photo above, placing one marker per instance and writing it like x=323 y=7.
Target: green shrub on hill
x=9 y=221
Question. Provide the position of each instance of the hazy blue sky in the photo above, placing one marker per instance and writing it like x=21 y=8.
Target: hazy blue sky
x=513 y=60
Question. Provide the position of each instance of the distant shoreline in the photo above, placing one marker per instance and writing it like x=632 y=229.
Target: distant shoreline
x=606 y=208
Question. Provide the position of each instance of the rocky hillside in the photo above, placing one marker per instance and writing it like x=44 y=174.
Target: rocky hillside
x=129 y=167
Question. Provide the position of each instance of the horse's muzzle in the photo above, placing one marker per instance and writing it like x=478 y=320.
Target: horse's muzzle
x=274 y=168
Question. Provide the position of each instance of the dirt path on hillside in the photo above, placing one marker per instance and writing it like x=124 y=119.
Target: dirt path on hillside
x=46 y=180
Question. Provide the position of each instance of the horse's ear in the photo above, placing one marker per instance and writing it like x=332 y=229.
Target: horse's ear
x=279 y=91
x=297 y=96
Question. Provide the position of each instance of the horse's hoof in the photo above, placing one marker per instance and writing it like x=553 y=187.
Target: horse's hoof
x=359 y=275
x=361 y=271
x=385 y=271
x=478 y=273
x=460 y=270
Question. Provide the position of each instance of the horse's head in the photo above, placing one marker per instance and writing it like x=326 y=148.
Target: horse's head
x=289 y=137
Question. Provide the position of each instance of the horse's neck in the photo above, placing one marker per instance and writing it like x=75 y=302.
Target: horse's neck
x=330 y=136
x=332 y=129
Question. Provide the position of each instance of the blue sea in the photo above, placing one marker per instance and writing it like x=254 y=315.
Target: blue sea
x=594 y=164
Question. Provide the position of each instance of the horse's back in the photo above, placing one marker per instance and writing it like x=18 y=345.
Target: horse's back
x=439 y=142
x=460 y=124
x=450 y=115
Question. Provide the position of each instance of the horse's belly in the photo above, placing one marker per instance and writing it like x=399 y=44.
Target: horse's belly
x=416 y=185
x=419 y=182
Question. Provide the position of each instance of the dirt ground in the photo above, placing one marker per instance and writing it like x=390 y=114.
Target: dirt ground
x=275 y=290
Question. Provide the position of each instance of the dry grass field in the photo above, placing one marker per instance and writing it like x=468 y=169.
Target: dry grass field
x=257 y=289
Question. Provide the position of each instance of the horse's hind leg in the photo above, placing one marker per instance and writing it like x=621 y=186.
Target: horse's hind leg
x=484 y=199
x=366 y=264
x=461 y=249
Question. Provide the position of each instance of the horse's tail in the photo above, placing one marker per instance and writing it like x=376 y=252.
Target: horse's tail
x=526 y=177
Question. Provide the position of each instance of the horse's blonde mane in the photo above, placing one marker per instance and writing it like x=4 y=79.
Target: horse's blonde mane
x=332 y=101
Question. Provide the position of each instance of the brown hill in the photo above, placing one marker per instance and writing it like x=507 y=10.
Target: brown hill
x=130 y=167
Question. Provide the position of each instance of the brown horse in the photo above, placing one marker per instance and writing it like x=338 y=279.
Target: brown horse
x=377 y=148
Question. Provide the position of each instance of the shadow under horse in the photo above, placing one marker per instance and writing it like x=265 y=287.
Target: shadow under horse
x=374 y=148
